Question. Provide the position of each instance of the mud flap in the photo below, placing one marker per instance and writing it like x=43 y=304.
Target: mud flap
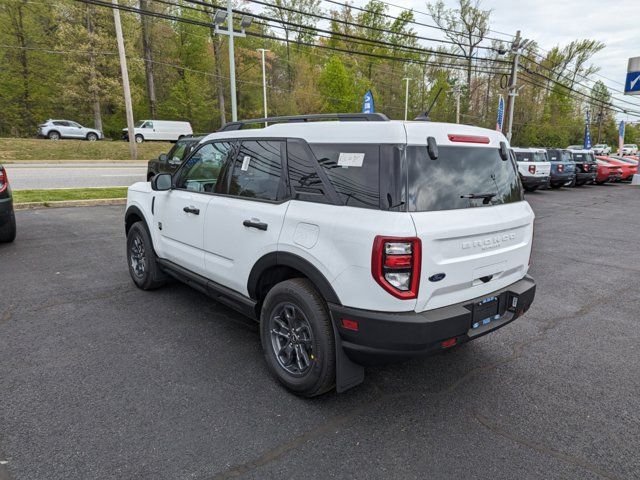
x=348 y=373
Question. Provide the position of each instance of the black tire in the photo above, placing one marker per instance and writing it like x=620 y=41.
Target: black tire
x=143 y=265
x=92 y=137
x=555 y=186
x=311 y=332
x=53 y=135
x=8 y=232
x=139 y=138
x=601 y=183
x=572 y=183
x=530 y=189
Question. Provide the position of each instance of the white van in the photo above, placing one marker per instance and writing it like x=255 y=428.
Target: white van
x=165 y=130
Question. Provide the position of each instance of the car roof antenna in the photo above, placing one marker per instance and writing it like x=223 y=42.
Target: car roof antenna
x=425 y=116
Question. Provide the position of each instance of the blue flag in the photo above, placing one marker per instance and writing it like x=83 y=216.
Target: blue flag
x=368 y=105
x=587 y=133
x=500 y=113
x=620 y=137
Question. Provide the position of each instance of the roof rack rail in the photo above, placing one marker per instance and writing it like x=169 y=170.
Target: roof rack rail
x=342 y=117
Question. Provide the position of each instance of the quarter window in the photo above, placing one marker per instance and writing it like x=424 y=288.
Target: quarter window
x=201 y=172
x=257 y=171
x=353 y=170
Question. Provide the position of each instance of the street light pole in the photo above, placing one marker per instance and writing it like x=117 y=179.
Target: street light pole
x=232 y=63
x=406 y=99
x=264 y=83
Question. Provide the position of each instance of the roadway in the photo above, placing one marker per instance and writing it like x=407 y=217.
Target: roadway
x=75 y=174
x=100 y=380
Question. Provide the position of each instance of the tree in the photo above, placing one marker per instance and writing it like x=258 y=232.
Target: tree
x=336 y=86
x=465 y=26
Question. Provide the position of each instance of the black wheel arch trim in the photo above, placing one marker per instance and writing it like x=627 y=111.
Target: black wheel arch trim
x=296 y=262
x=133 y=210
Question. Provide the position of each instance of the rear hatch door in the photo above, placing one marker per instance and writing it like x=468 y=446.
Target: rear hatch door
x=472 y=220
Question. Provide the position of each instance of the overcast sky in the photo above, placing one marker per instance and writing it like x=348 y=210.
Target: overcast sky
x=553 y=22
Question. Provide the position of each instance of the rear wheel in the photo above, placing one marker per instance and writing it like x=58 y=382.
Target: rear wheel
x=555 y=185
x=139 y=138
x=143 y=265
x=297 y=338
x=53 y=135
x=8 y=232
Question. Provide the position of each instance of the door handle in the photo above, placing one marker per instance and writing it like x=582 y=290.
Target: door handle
x=257 y=224
x=194 y=210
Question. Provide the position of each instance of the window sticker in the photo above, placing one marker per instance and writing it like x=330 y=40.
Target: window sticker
x=350 y=159
x=245 y=163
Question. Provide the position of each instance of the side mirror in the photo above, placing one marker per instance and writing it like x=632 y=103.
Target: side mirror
x=162 y=182
x=432 y=148
x=163 y=157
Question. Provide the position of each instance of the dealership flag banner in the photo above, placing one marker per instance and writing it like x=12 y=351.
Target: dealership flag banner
x=500 y=113
x=368 y=105
x=621 y=137
x=587 y=133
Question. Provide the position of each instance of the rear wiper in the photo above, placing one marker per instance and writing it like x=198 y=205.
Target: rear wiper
x=486 y=196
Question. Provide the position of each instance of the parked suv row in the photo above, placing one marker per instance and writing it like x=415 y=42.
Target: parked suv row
x=351 y=242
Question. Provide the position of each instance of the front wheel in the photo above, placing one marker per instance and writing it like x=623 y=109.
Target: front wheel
x=143 y=265
x=297 y=338
x=92 y=137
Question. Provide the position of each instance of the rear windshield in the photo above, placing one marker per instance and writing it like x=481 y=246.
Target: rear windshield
x=461 y=177
x=559 y=156
x=531 y=156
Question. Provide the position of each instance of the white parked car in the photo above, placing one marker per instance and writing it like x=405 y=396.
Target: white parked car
x=629 y=149
x=533 y=166
x=164 y=130
x=350 y=242
x=601 y=149
x=57 y=129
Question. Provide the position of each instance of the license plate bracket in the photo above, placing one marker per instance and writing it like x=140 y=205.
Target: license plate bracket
x=485 y=311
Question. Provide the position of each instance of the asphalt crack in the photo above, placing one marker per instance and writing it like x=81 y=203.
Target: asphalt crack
x=541 y=448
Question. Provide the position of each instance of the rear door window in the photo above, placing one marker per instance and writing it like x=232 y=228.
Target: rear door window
x=461 y=177
x=353 y=170
x=257 y=170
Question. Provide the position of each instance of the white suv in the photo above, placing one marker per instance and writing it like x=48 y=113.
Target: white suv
x=351 y=242
x=533 y=166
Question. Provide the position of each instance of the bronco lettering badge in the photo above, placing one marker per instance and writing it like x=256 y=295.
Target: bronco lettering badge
x=489 y=242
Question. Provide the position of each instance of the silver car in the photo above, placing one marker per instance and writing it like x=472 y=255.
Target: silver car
x=57 y=129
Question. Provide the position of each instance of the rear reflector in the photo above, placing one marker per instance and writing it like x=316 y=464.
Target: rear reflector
x=449 y=343
x=468 y=138
x=350 y=324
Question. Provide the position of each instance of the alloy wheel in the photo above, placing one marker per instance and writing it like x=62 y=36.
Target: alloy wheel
x=291 y=339
x=137 y=257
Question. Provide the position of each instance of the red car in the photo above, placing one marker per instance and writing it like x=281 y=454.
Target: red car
x=628 y=170
x=607 y=172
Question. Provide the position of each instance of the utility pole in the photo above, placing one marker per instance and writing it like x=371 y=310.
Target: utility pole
x=457 y=91
x=517 y=47
x=125 y=81
x=245 y=21
x=406 y=99
x=264 y=83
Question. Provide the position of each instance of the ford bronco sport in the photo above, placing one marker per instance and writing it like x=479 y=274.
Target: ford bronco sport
x=356 y=241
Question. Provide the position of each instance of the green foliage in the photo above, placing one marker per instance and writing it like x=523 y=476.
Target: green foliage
x=336 y=86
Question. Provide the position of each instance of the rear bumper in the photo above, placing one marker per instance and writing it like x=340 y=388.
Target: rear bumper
x=561 y=178
x=384 y=337
x=586 y=176
x=6 y=210
x=535 y=181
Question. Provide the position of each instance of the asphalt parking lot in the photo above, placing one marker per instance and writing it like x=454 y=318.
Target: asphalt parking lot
x=100 y=380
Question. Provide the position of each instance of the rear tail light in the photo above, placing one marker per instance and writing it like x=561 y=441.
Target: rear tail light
x=560 y=167
x=395 y=265
x=4 y=181
x=532 y=169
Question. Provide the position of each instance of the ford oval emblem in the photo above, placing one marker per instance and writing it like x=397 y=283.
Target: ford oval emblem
x=437 y=277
